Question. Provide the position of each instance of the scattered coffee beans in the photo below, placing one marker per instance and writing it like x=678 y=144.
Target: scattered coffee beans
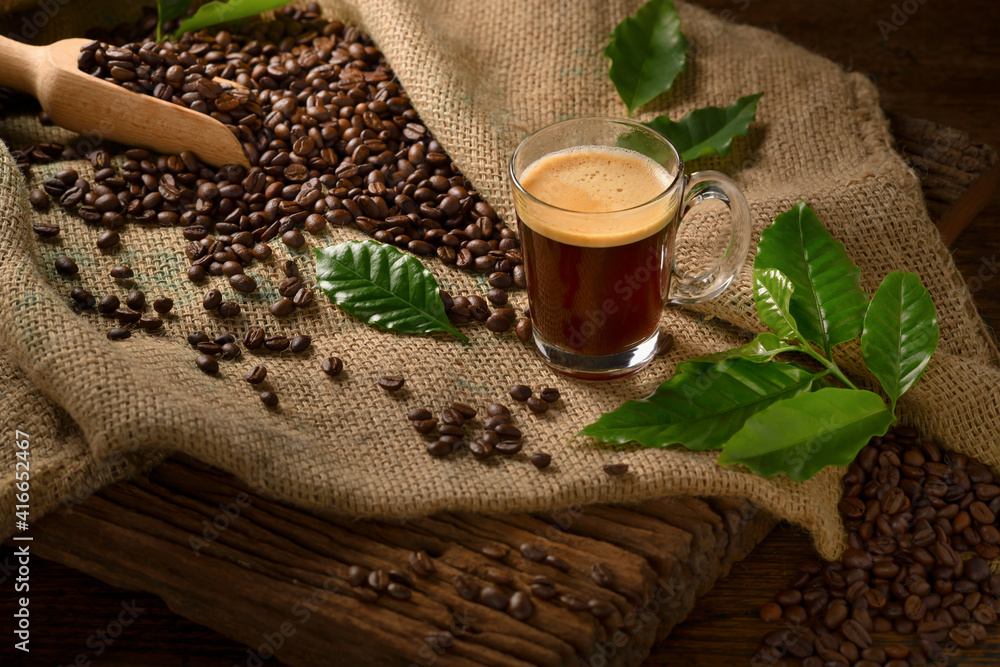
x=207 y=364
x=66 y=266
x=392 y=383
x=540 y=460
x=519 y=392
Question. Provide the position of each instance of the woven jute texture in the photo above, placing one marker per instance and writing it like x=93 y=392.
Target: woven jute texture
x=481 y=75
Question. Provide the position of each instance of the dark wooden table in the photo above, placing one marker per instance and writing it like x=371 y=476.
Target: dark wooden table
x=942 y=63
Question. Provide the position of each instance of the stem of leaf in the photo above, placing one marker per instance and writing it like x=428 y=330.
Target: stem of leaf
x=831 y=366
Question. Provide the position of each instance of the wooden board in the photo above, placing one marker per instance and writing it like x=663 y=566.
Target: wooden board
x=254 y=579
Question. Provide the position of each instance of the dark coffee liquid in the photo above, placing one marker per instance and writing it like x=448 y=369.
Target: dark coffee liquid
x=594 y=301
x=594 y=250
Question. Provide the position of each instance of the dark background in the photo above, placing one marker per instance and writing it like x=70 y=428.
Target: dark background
x=942 y=64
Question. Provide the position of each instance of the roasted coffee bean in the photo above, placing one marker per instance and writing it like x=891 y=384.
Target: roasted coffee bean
x=66 y=266
x=392 y=383
x=229 y=309
x=398 y=591
x=270 y=399
x=574 y=602
x=466 y=586
x=108 y=305
x=122 y=273
x=276 y=343
x=540 y=460
x=493 y=597
x=254 y=339
x=497 y=410
x=520 y=606
x=242 y=283
x=212 y=299
x=464 y=409
x=418 y=414
x=519 y=392
x=600 y=608
x=282 y=307
x=163 y=304
x=332 y=366
x=300 y=343
x=499 y=578
x=207 y=364
x=508 y=431
x=425 y=426
x=494 y=551
x=83 y=298
x=118 y=333
x=127 y=316
x=664 y=344
x=440 y=447
x=537 y=405
x=39 y=200
x=150 y=322
x=615 y=469
x=136 y=300
x=450 y=416
x=45 y=230
x=507 y=447
x=451 y=429
x=543 y=592
x=549 y=395
x=523 y=330
x=108 y=239
x=480 y=449
x=256 y=375
x=421 y=563
x=601 y=576
x=497 y=323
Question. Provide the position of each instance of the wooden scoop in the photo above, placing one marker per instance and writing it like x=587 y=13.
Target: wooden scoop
x=84 y=103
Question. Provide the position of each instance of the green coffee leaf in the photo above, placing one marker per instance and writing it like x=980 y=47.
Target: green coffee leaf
x=900 y=333
x=708 y=131
x=215 y=12
x=703 y=405
x=168 y=10
x=802 y=435
x=772 y=294
x=828 y=303
x=761 y=349
x=381 y=285
x=647 y=52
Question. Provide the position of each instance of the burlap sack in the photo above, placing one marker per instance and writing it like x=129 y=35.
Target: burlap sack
x=481 y=75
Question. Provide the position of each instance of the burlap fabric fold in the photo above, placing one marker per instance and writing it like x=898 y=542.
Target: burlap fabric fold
x=481 y=75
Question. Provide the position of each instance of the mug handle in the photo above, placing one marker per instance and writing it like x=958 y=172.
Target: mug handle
x=702 y=186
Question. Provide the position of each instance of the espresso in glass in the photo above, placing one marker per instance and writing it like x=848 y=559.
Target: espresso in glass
x=596 y=282
x=598 y=203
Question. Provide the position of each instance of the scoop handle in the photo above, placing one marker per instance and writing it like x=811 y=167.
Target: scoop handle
x=19 y=65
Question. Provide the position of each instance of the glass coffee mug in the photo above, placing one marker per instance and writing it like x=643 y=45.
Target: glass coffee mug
x=599 y=202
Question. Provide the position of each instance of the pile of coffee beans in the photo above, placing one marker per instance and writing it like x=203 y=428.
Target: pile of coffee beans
x=922 y=528
x=498 y=436
x=331 y=140
x=330 y=137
